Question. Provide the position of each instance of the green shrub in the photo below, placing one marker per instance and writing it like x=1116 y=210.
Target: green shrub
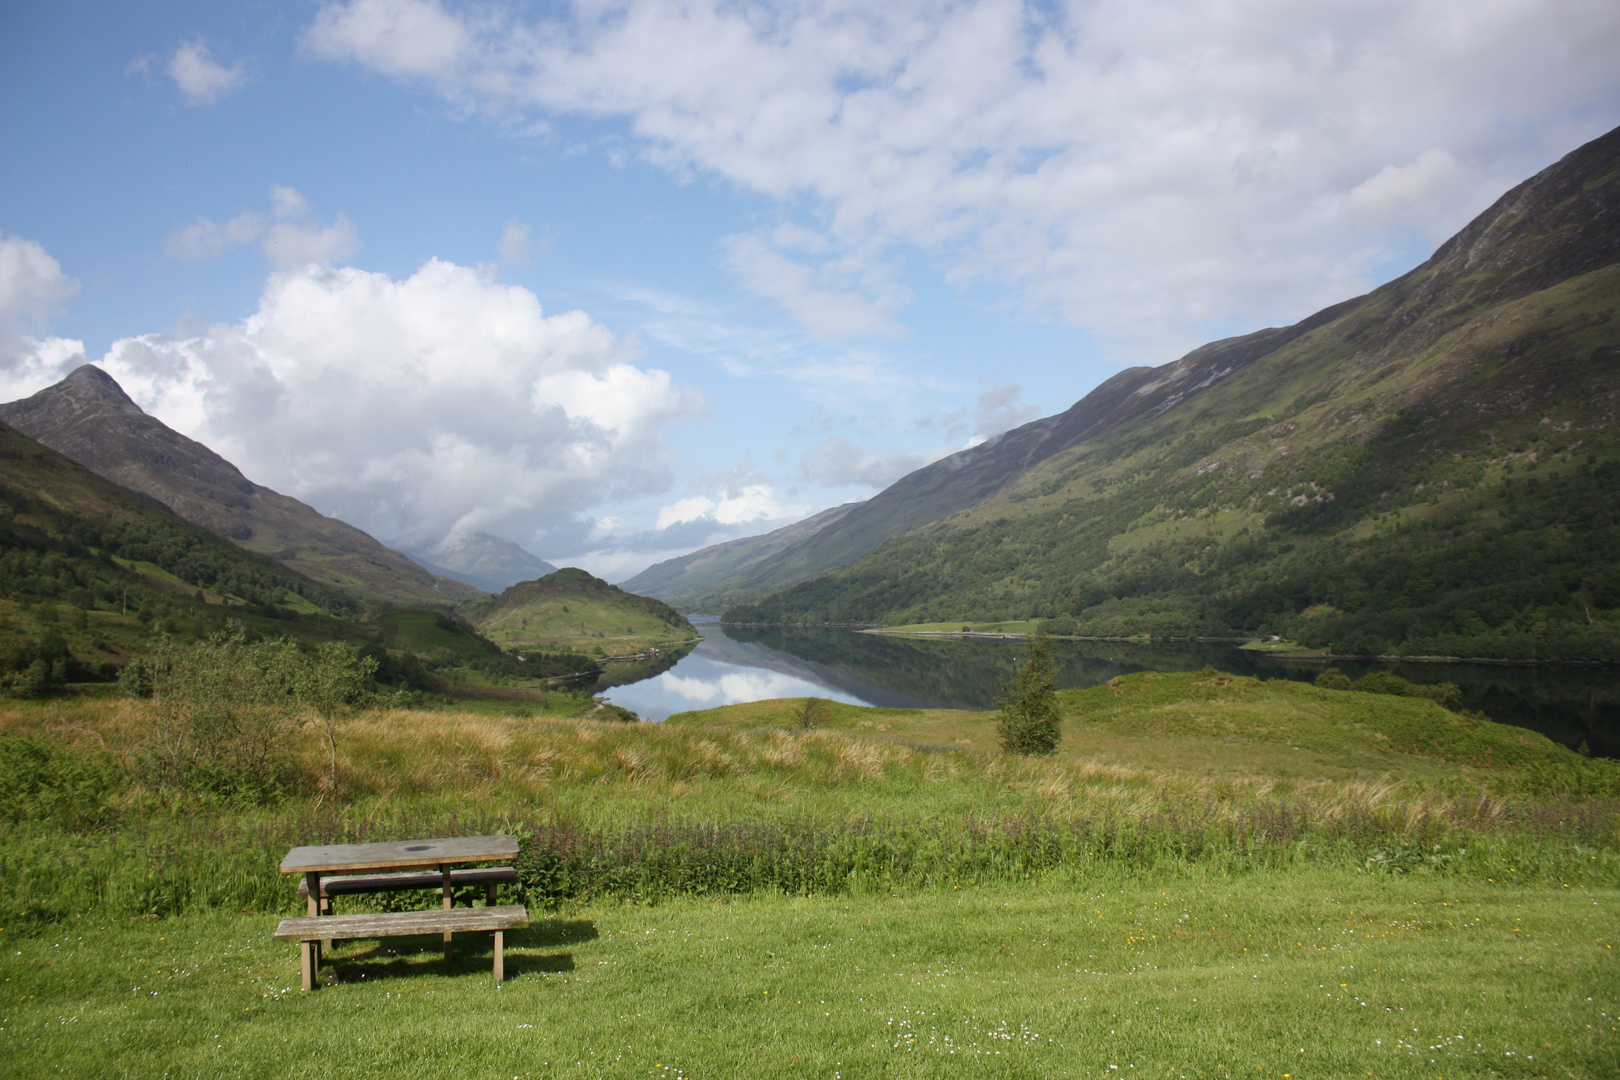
x=1383 y=682
x=1333 y=679
x=1029 y=722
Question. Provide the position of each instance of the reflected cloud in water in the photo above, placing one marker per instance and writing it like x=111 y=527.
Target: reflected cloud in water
x=705 y=682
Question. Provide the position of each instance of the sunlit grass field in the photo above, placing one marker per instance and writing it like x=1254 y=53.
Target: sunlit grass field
x=1212 y=877
x=1320 y=973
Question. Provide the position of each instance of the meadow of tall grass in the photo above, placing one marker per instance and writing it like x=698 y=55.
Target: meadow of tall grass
x=741 y=803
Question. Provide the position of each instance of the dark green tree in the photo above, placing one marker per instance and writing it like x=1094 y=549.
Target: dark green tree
x=1030 y=723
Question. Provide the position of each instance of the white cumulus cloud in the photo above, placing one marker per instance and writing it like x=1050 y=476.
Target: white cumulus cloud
x=424 y=408
x=201 y=79
x=297 y=239
x=32 y=283
x=32 y=287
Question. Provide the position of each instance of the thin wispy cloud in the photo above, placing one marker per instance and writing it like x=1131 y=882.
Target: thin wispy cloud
x=290 y=237
x=1146 y=171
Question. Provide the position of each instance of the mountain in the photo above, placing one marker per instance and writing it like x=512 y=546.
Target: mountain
x=88 y=568
x=704 y=580
x=485 y=562
x=88 y=417
x=1431 y=467
x=571 y=609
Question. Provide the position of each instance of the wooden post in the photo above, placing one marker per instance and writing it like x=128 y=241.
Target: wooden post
x=307 y=962
x=445 y=872
x=312 y=884
x=500 y=960
x=489 y=894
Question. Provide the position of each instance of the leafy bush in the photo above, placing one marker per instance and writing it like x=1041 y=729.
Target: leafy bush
x=227 y=708
x=1333 y=679
x=1383 y=682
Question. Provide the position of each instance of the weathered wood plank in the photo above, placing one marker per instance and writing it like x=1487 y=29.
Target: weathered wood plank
x=402 y=923
x=365 y=883
x=399 y=854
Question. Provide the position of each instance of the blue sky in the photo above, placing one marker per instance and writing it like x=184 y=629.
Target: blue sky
x=616 y=280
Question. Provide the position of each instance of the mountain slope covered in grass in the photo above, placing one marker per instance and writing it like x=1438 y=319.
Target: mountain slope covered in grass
x=88 y=417
x=1431 y=468
x=89 y=569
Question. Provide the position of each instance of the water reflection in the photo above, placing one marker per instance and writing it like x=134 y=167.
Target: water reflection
x=737 y=664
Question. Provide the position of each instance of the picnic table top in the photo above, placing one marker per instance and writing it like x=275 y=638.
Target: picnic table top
x=399 y=854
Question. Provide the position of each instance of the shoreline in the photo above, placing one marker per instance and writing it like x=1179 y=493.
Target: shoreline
x=1302 y=654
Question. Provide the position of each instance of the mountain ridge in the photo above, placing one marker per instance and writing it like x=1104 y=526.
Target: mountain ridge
x=1270 y=436
x=88 y=417
x=691 y=581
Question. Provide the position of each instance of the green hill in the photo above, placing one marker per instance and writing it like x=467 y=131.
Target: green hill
x=1431 y=468
x=1209 y=724
x=572 y=610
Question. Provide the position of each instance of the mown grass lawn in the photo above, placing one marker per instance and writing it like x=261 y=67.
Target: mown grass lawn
x=1324 y=972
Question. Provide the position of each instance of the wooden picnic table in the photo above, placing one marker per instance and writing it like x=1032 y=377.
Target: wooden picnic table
x=441 y=853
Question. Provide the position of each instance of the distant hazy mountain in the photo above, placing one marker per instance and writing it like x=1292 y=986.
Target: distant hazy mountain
x=1433 y=467
x=710 y=579
x=485 y=561
x=88 y=417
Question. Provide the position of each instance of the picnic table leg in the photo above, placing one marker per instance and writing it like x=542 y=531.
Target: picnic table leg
x=500 y=959
x=312 y=885
x=307 y=959
x=445 y=871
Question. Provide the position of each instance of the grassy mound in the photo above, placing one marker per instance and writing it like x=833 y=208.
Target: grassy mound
x=573 y=611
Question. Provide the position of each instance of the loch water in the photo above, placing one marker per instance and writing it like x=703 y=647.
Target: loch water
x=732 y=664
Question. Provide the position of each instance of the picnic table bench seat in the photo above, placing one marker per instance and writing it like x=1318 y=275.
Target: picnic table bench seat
x=347 y=885
x=309 y=930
